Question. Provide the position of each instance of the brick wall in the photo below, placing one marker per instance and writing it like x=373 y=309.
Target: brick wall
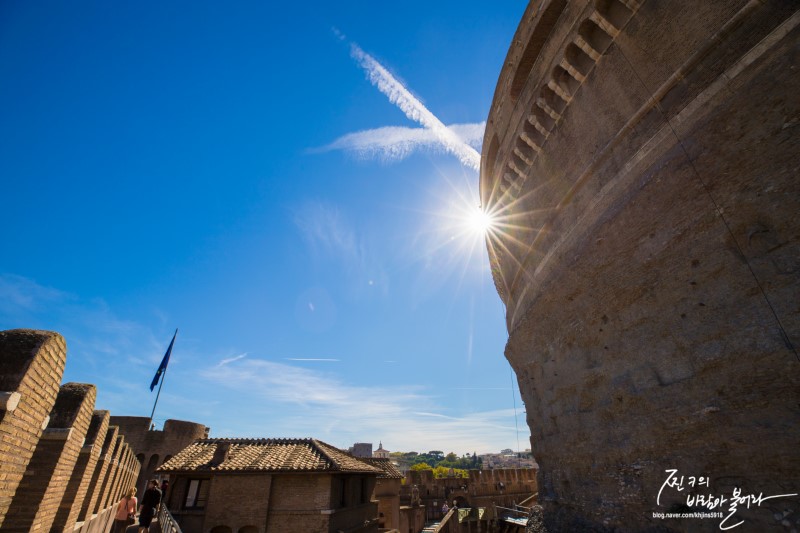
x=60 y=461
x=82 y=474
x=31 y=364
x=94 y=492
x=310 y=502
x=45 y=481
x=111 y=477
x=227 y=506
x=284 y=503
x=483 y=488
x=387 y=492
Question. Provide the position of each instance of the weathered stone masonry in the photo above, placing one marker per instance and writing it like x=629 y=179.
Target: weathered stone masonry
x=642 y=159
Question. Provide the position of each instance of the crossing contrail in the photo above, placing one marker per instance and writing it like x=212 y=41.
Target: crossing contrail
x=393 y=143
x=414 y=109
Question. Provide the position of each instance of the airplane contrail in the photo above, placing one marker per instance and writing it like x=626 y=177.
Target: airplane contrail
x=393 y=143
x=414 y=109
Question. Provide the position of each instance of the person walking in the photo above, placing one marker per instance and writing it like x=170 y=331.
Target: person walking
x=126 y=511
x=151 y=500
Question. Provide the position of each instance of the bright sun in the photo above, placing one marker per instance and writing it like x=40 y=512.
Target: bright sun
x=480 y=221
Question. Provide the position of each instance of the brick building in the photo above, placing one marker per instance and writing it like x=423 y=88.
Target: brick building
x=275 y=485
x=387 y=493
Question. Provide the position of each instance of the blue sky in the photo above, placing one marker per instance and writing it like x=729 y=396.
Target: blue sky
x=238 y=171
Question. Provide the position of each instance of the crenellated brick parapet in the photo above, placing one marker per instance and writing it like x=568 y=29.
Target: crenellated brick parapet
x=31 y=365
x=640 y=161
x=483 y=488
x=44 y=484
x=61 y=462
x=82 y=473
x=94 y=492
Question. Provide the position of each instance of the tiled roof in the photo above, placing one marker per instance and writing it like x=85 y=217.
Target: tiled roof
x=264 y=455
x=389 y=470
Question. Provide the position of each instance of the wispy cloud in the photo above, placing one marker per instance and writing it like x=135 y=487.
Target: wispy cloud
x=20 y=294
x=311 y=359
x=398 y=142
x=329 y=232
x=323 y=404
x=393 y=143
x=230 y=360
x=99 y=341
x=326 y=229
x=400 y=96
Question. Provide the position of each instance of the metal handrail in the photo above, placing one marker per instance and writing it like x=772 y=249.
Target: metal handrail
x=530 y=499
x=513 y=510
x=167 y=521
x=444 y=520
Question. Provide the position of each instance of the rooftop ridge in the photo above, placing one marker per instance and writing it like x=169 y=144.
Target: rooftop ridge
x=254 y=440
x=267 y=454
x=332 y=462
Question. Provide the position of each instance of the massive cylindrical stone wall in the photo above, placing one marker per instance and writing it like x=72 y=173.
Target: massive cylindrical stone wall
x=641 y=161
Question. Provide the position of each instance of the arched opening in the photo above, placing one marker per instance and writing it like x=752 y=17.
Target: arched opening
x=221 y=529
x=461 y=502
x=537 y=40
x=248 y=529
x=152 y=463
x=140 y=458
x=616 y=12
x=595 y=36
x=578 y=59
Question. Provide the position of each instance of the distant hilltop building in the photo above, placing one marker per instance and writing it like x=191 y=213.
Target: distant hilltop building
x=361 y=449
x=380 y=453
x=641 y=160
x=364 y=449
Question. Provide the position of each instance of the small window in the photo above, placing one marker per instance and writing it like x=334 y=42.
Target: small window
x=359 y=491
x=365 y=495
x=342 y=489
x=197 y=494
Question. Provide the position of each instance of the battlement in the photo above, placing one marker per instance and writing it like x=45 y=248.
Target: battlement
x=63 y=462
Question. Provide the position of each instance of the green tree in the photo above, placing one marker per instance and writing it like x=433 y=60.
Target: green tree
x=443 y=472
x=436 y=454
x=421 y=466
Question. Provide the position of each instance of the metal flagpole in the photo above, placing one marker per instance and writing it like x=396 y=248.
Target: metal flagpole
x=163 y=377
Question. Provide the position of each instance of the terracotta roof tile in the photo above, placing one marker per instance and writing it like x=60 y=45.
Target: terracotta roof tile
x=389 y=470
x=264 y=455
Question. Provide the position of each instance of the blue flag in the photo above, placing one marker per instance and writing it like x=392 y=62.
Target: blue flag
x=164 y=362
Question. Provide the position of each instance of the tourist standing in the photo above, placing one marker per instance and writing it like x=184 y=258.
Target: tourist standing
x=151 y=499
x=126 y=511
